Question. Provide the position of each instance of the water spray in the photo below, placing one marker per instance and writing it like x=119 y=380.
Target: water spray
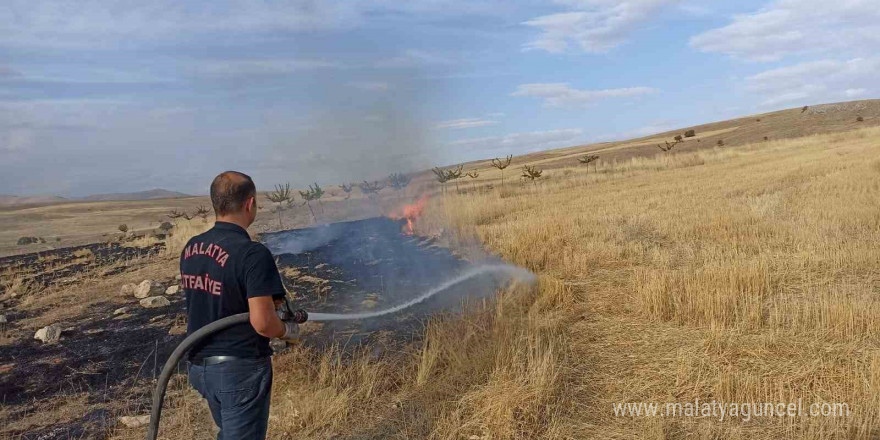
x=286 y=312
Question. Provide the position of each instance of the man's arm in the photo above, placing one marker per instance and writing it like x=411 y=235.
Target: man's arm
x=263 y=317
x=264 y=287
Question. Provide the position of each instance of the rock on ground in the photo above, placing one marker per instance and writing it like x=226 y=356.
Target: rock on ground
x=120 y=311
x=128 y=289
x=154 y=302
x=172 y=290
x=134 y=421
x=3 y=319
x=149 y=288
x=49 y=334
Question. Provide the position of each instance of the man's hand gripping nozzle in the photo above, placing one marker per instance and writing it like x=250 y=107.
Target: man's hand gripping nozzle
x=291 y=318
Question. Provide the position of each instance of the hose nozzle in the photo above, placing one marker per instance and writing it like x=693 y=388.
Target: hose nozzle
x=299 y=316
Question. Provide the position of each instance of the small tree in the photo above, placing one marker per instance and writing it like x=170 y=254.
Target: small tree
x=399 y=181
x=532 y=173
x=501 y=165
x=441 y=177
x=588 y=159
x=174 y=215
x=371 y=189
x=347 y=189
x=317 y=193
x=202 y=212
x=473 y=175
x=668 y=146
x=455 y=174
x=677 y=137
x=313 y=193
x=689 y=134
x=280 y=196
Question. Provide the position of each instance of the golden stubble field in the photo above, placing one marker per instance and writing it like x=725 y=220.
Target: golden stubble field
x=748 y=274
x=743 y=274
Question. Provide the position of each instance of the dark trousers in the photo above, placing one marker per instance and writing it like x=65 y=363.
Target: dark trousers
x=238 y=394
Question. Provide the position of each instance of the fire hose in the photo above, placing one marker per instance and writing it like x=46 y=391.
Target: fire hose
x=285 y=313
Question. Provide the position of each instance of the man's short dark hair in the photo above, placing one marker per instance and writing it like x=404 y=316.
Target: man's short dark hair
x=230 y=190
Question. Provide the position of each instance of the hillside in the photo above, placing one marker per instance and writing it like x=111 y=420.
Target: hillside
x=778 y=125
x=152 y=194
x=11 y=200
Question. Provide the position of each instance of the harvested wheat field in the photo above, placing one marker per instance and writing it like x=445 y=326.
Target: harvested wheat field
x=739 y=275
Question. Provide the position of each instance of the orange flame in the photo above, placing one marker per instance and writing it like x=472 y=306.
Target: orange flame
x=410 y=213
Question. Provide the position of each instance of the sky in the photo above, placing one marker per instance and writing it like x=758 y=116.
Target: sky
x=128 y=95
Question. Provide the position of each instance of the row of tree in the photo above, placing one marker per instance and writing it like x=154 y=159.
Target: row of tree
x=282 y=195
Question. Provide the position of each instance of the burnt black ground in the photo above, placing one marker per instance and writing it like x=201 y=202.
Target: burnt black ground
x=367 y=264
x=44 y=268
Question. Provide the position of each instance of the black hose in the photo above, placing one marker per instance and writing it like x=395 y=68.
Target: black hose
x=176 y=355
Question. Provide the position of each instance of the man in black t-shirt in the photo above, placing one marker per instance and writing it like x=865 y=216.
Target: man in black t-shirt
x=224 y=273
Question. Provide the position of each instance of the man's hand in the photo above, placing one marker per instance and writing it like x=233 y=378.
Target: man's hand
x=264 y=319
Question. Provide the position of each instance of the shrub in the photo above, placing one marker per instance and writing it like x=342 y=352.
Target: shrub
x=720 y=142
x=677 y=137
x=166 y=226
x=123 y=228
x=689 y=133
x=860 y=119
x=27 y=240
x=766 y=138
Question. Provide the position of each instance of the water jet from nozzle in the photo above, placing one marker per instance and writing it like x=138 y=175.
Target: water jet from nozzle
x=512 y=272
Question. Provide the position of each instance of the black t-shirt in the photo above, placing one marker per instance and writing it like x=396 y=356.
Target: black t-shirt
x=219 y=271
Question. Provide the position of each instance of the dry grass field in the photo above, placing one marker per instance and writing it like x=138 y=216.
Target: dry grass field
x=740 y=274
x=745 y=274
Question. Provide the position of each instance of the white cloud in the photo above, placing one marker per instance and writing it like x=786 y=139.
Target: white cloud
x=243 y=67
x=593 y=26
x=371 y=86
x=854 y=93
x=792 y=27
x=561 y=95
x=47 y=23
x=814 y=81
x=412 y=58
x=457 y=124
x=517 y=143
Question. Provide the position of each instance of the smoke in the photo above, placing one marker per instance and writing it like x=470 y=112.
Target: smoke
x=356 y=130
x=302 y=240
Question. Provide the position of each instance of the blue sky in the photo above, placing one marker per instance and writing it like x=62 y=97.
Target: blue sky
x=111 y=96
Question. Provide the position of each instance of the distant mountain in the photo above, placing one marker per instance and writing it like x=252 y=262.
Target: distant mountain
x=10 y=200
x=157 y=193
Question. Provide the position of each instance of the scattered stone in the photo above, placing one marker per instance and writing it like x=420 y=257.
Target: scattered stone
x=49 y=334
x=177 y=277
x=148 y=288
x=172 y=290
x=128 y=289
x=120 y=311
x=157 y=318
x=177 y=330
x=134 y=421
x=3 y=319
x=153 y=302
